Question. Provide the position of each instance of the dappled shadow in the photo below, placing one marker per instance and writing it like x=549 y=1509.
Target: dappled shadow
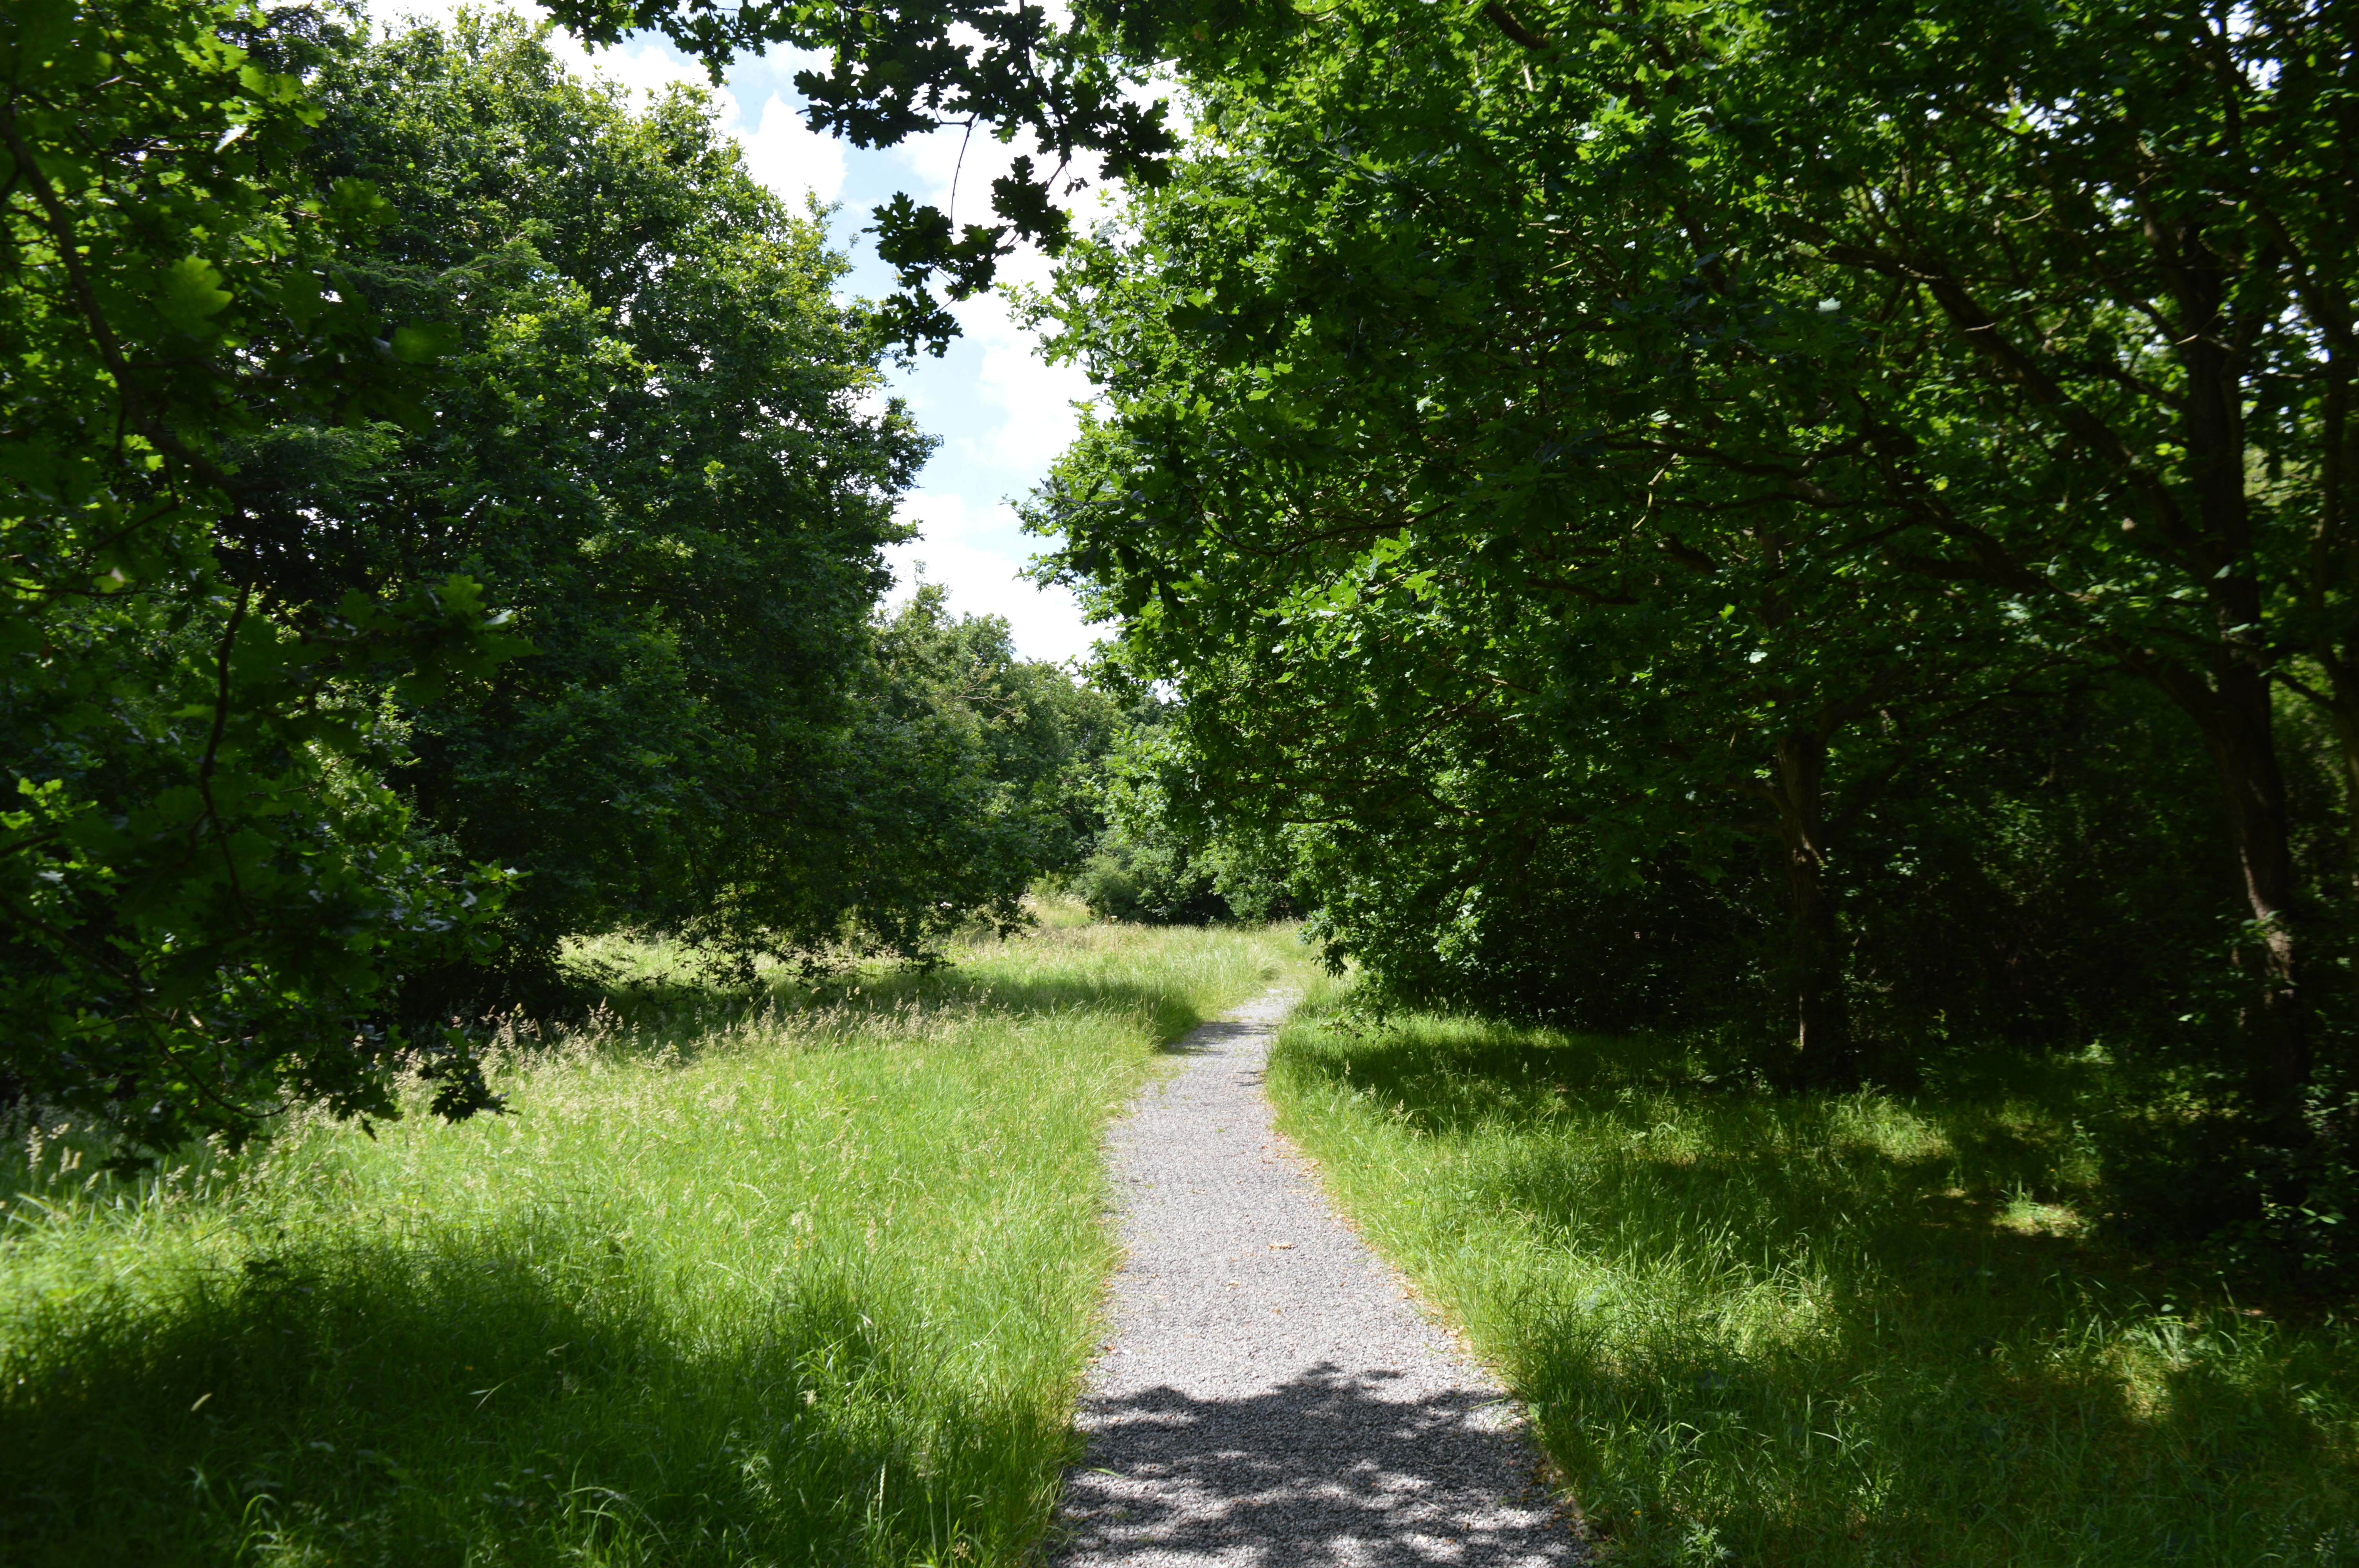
x=1217 y=1036
x=1777 y=1335
x=509 y=1394
x=1322 y=1470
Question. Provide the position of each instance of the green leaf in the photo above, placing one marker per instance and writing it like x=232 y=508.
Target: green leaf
x=421 y=343
x=188 y=293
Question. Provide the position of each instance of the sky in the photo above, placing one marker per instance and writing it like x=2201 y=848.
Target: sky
x=1002 y=413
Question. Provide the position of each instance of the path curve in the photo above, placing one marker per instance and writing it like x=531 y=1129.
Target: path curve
x=1269 y=1396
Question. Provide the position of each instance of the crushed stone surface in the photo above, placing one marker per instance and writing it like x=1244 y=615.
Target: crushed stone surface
x=1270 y=1397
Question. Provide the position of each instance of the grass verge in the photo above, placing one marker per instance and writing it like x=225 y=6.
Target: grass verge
x=1825 y=1330
x=737 y=1282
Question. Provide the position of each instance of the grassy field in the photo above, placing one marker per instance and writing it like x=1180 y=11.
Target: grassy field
x=761 y=1282
x=1825 y=1331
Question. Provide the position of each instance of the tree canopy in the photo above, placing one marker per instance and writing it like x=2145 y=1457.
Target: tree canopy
x=663 y=442
x=209 y=883
x=445 y=516
x=1787 y=494
x=1615 y=431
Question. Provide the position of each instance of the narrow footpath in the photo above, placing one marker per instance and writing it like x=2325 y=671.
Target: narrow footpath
x=1269 y=1395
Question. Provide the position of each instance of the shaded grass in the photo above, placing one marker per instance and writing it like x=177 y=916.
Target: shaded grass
x=1824 y=1330
x=741 y=1279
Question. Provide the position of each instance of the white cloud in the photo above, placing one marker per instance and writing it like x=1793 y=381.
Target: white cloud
x=781 y=150
x=1029 y=400
x=647 y=69
x=790 y=158
x=979 y=559
x=1023 y=405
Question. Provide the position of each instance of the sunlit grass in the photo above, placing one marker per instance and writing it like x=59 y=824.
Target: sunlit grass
x=1828 y=1330
x=743 y=1279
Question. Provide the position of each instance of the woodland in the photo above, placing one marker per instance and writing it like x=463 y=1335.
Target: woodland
x=1816 y=537
x=1754 y=605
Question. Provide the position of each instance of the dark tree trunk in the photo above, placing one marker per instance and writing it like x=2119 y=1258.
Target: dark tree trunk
x=2244 y=749
x=2241 y=727
x=2344 y=708
x=2335 y=563
x=1824 y=1051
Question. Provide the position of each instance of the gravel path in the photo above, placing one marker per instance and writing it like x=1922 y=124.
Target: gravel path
x=1269 y=1397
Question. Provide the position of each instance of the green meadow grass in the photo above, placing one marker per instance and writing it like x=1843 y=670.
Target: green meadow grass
x=1861 y=1329
x=790 y=1280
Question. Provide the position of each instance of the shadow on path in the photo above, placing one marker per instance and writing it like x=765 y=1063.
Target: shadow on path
x=1216 y=1038
x=1321 y=1469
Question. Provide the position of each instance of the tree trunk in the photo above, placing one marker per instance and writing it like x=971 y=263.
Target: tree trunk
x=2342 y=708
x=2335 y=564
x=2241 y=731
x=1823 y=1049
x=2235 y=709
x=2244 y=749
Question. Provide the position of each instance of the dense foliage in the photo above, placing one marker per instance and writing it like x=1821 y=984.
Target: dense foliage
x=982 y=773
x=1662 y=451
x=321 y=347
x=894 y=71
x=1825 y=526
x=652 y=441
x=1162 y=853
x=207 y=882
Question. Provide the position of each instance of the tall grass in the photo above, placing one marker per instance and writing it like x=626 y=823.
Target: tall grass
x=782 y=1279
x=1830 y=1330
